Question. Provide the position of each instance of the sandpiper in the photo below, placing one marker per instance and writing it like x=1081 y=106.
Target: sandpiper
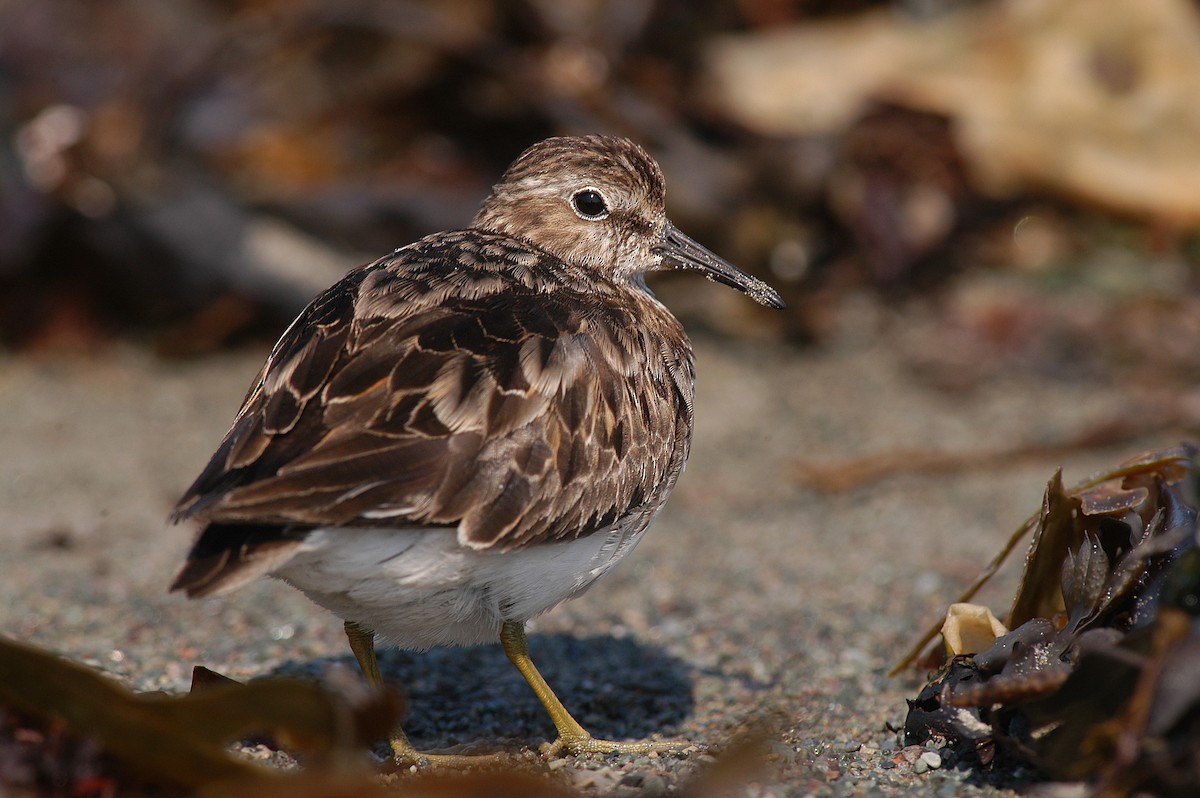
x=465 y=433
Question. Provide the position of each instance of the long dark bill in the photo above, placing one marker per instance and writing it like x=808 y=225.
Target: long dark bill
x=687 y=254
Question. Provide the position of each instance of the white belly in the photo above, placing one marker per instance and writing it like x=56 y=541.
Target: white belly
x=418 y=588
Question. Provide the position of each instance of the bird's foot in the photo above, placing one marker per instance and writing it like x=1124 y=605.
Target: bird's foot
x=466 y=756
x=586 y=744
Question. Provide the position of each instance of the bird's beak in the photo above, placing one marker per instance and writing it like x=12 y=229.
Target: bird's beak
x=687 y=254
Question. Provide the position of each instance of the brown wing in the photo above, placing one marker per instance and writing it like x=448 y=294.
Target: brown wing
x=453 y=385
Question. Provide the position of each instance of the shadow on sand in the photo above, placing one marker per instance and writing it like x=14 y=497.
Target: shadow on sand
x=616 y=688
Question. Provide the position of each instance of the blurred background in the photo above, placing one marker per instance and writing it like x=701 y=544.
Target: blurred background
x=1016 y=181
x=983 y=216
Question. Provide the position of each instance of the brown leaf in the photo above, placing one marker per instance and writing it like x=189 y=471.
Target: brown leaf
x=1039 y=594
x=1108 y=689
x=181 y=740
x=1113 y=124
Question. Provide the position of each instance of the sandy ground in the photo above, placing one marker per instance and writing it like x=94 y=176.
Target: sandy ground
x=753 y=601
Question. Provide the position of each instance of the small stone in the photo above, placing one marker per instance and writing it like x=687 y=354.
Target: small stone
x=633 y=779
x=654 y=785
x=783 y=752
x=920 y=766
x=852 y=747
x=259 y=752
x=600 y=780
x=932 y=759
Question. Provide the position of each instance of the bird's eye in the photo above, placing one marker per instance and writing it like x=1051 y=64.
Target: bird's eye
x=589 y=204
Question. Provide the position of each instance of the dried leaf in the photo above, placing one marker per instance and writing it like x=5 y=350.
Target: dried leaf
x=1084 y=574
x=181 y=740
x=1171 y=465
x=1110 y=690
x=1112 y=498
x=1039 y=595
x=1090 y=98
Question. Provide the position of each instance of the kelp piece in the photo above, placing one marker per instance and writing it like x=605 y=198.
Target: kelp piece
x=1100 y=677
x=181 y=740
x=1172 y=464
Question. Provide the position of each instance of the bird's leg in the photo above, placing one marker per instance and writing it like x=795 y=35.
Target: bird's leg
x=362 y=643
x=572 y=737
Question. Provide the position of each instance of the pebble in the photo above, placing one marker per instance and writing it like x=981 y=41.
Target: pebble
x=601 y=780
x=932 y=759
x=783 y=752
x=654 y=785
x=633 y=779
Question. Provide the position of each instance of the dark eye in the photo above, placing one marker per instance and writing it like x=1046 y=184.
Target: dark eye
x=589 y=204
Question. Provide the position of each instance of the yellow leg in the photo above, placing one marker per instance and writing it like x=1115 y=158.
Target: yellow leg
x=362 y=643
x=571 y=736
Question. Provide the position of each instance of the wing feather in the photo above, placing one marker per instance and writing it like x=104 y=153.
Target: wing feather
x=415 y=393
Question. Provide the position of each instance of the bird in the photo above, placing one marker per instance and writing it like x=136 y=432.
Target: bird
x=462 y=434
